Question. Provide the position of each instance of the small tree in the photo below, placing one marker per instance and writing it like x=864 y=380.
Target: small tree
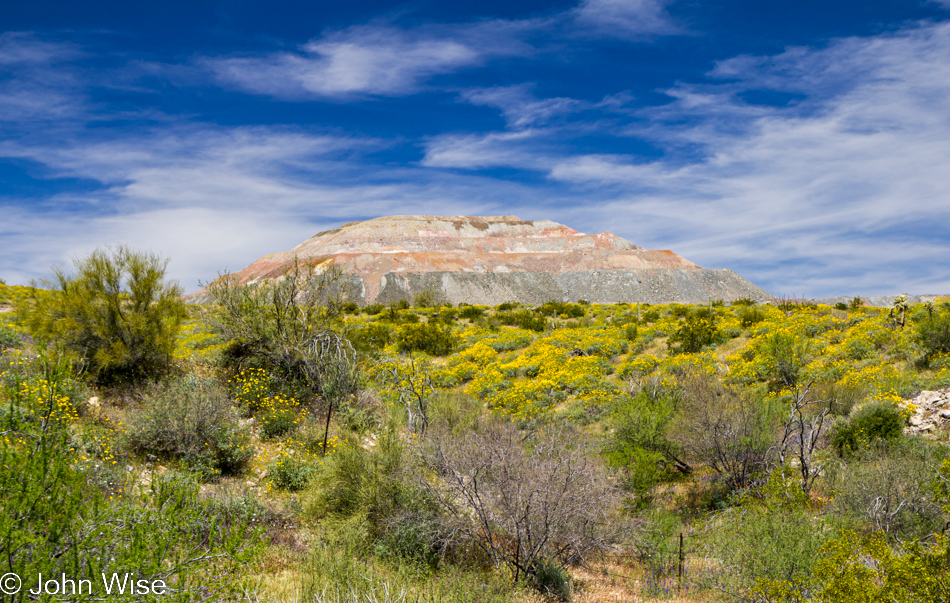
x=525 y=500
x=718 y=426
x=118 y=313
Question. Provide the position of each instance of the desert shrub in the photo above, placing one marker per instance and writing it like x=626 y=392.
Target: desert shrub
x=853 y=568
x=784 y=355
x=291 y=472
x=279 y=416
x=750 y=316
x=192 y=421
x=349 y=308
x=724 y=429
x=934 y=335
x=471 y=312
x=9 y=338
x=630 y=331
x=640 y=446
x=371 y=338
x=118 y=313
x=651 y=316
x=507 y=306
x=429 y=338
x=524 y=319
x=775 y=539
x=286 y=326
x=563 y=310
x=889 y=488
x=447 y=316
x=859 y=349
x=497 y=485
x=841 y=306
x=679 y=310
x=874 y=422
x=425 y=299
x=698 y=331
x=742 y=301
x=374 y=309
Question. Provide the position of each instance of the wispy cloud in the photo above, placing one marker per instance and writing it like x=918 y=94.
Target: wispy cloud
x=370 y=60
x=34 y=83
x=520 y=107
x=626 y=18
x=852 y=179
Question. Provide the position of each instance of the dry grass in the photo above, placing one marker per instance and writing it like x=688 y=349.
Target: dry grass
x=615 y=581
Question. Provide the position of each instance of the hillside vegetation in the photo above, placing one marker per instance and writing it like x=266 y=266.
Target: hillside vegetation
x=291 y=446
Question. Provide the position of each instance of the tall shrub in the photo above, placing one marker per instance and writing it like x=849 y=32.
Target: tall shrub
x=118 y=312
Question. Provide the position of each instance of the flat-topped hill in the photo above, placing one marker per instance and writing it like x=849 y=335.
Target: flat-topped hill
x=493 y=259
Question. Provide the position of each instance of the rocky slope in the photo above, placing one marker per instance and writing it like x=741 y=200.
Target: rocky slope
x=489 y=260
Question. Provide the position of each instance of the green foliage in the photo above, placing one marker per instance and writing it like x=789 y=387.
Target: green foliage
x=291 y=472
x=563 y=310
x=855 y=303
x=889 y=488
x=117 y=313
x=551 y=579
x=425 y=299
x=374 y=309
x=934 y=335
x=471 y=312
x=698 y=331
x=429 y=338
x=630 y=331
x=864 y=569
x=772 y=539
x=55 y=519
x=749 y=316
x=874 y=422
x=9 y=338
x=640 y=446
x=372 y=338
x=524 y=319
x=192 y=421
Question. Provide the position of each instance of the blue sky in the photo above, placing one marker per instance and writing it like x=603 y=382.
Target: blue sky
x=805 y=145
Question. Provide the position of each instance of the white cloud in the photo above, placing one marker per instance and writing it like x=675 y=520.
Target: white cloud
x=34 y=83
x=520 y=107
x=370 y=60
x=626 y=18
x=474 y=151
x=851 y=180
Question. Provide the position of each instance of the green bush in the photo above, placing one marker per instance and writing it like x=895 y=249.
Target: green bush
x=117 y=313
x=191 y=421
x=371 y=338
x=9 y=338
x=471 y=312
x=630 y=331
x=564 y=310
x=750 y=316
x=697 y=332
x=934 y=335
x=524 y=319
x=875 y=422
x=290 y=473
x=374 y=309
x=278 y=422
x=429 y=338
x=889 y=489
x=425 y=299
